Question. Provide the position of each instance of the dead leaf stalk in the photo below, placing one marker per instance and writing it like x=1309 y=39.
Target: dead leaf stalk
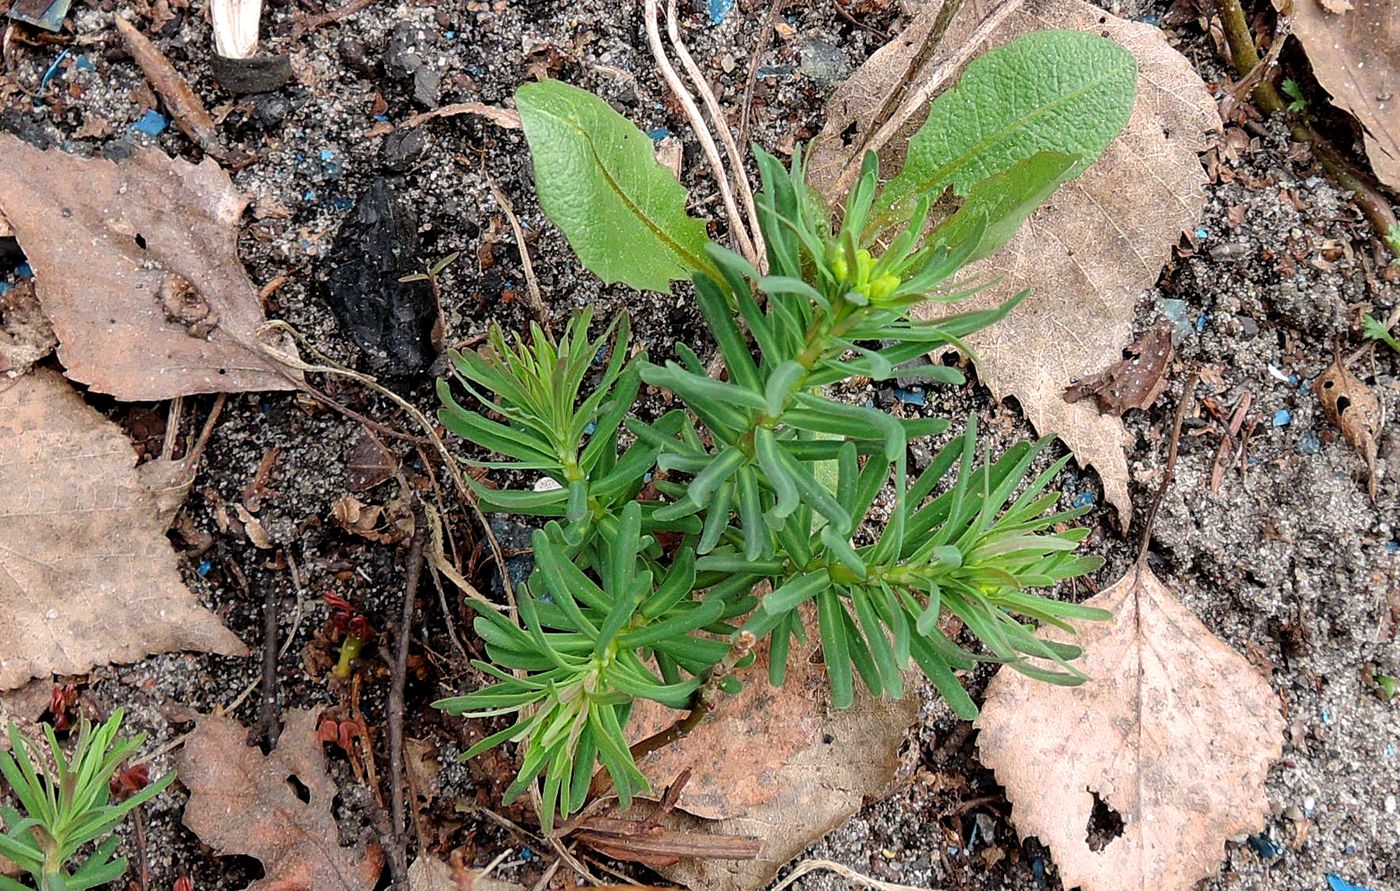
x=532 y=285
x=845 y=872
x=398 y=860
x=739 y=231
x=1169 y=472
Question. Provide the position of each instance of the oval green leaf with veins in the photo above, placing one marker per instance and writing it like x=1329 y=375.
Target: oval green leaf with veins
x=1057 y=91
x=623 y=213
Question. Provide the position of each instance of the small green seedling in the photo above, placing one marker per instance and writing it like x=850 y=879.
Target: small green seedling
x=659 y=534
x=1298 y=101
x=1374 y=329
x=65 y=805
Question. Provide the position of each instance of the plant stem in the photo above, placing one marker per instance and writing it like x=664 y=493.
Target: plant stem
x=1245 y=56
x=1266 y=96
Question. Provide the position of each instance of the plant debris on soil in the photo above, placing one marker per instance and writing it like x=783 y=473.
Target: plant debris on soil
x=1268 y=534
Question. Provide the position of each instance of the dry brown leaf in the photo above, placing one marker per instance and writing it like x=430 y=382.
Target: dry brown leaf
x=1355 y=410
x=87 y=575
x=1097 y=245
x=827 y=768
x=1174 y=730
x=761 y=725
x=430 y=874
x=25 y=335
x=1135 y=382
x=368 y=463
x=1356 y=58
x=137 y=268
x=275 y=807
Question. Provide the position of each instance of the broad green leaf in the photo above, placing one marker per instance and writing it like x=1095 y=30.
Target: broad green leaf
x=1059 y=91
x=996 y=206
x=623 y=213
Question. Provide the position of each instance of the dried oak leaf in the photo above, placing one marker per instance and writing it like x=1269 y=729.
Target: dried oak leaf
x=1174 y=730
x=1355 y=410
x=87 y=575
x=138 y=271
x=1091 y=251
x=275 y=807
x=1135 y=382
x=786 y=785
x=1356 y=57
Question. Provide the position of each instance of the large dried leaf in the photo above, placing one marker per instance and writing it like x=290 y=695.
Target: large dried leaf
x=138 y=271
x=275 y=807
x=761 y=725
x=785 y=785
x=1356 y=57
x=1174 y=730
x=87 y=575
x=1090 y=253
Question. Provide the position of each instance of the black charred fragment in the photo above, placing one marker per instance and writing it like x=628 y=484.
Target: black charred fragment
x=390 y=320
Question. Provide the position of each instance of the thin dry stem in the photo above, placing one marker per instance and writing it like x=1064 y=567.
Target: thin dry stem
x=736 y=157
x=738 y=231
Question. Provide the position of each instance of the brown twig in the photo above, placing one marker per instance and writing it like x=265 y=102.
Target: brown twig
x=1169 y=473
x=532 y=285
x=398 y=862
x=305 y=24
x=266 y=729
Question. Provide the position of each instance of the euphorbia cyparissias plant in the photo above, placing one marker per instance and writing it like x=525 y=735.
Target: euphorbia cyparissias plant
x=657 y=534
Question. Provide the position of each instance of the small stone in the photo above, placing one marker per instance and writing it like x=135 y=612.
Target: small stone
x=356 y=56
x=727 y=63
x=401 y=148
x=1248 y=327
x=823 y=62
x=403 y=55
x=427 y=80
x=269 y=110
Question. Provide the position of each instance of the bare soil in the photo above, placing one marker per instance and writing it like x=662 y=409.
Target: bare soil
x=1288 y=560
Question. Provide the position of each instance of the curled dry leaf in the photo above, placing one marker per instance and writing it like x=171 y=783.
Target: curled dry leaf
x=815 y=774
x=1091 y=251
x=138 y=271
x=87 y=575
x=25 y=335
x=1355 y=410
x=275 y=807
x=1135 y=382
x=368 y=462
x=1355 y=54
x=1174 y=731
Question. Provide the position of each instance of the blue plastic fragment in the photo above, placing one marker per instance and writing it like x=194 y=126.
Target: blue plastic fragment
x=450 y=35
x=52 y=70
x=340 y=202
x=589 y=428
x=1202 y=233
x=24 y=270
x=659 y=133
x=327 y=155
x=204 y=566
x=5 y=288
x=719 y=10
x=1336 y=883
x=1327 y=716
x=1083 y=499
x=1201 y=321
x=152 y=123
x=85 y=64
x=1283 y=417
x=910 y=397
x=1392 y=546
x=1309 y=444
